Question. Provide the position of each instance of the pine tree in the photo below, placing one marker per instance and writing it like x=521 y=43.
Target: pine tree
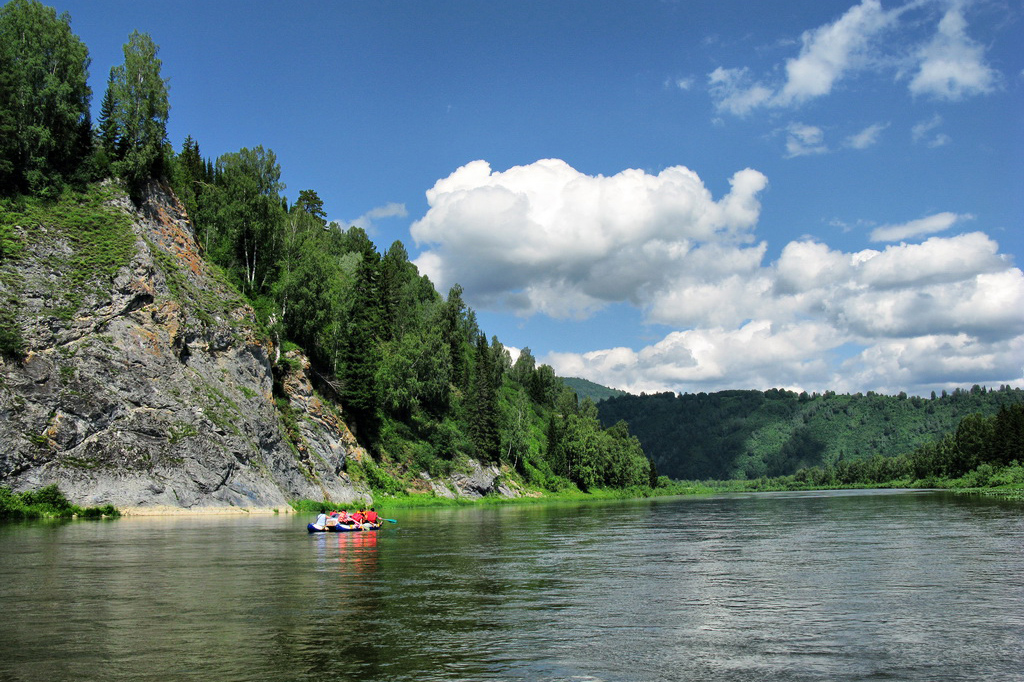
x=359 y=349
x=107 y=124
x=484 y=403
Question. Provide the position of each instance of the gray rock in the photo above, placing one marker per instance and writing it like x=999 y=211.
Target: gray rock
x=156 y=390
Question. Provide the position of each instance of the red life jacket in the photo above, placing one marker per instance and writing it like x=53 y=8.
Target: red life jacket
x=371 y=516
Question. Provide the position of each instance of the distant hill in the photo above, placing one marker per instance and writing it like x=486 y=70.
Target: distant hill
x=748 y=434
x=588 y=389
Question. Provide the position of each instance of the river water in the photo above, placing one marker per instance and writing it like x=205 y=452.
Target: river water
x=854 y=585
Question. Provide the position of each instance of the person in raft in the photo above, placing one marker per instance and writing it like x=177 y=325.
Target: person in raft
x=371 y=516
x=359 y=518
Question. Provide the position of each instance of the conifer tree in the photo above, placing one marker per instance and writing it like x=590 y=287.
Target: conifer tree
x=359 y=348
x=310 y=202
x=107 y=123
x=484 y=402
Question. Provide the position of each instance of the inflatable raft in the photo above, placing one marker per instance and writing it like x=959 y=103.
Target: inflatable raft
x=341 y=528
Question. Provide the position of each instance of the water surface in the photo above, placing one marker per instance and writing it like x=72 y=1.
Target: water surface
x=784 y=586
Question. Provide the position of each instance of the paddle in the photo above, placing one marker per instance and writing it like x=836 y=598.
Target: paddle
x=390 y=520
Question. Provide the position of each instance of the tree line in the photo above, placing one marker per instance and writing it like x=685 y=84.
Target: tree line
x=753 y=434
x=47 y=140
x=982 y=451
x=421 y=384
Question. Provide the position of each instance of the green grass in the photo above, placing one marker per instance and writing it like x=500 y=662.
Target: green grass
x=89 y=241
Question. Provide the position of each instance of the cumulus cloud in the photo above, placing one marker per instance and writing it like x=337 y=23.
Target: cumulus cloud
x=952 y=66
x=933 y=362
x=915 y=228
x=918 y=318
x=755 y=354
x=546 y=238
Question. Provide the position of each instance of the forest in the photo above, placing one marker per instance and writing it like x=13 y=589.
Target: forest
x=754 y=434
x=419 y=382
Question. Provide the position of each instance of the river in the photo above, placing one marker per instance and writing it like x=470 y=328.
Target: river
x=846 y=585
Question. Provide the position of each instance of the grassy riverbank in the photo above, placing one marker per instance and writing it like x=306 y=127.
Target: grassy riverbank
x=48 y=502
x=1005 y=482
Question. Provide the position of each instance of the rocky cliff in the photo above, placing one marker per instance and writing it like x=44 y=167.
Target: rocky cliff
x=142 y=379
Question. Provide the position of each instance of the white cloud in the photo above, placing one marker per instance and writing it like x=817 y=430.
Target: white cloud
x=933 y=362
x=952 y=66
x=830 y=51
x=367 y=221
x=686 y=83
x=756 y=354
x=804 y=140
x=915 y=331
x=922 y=132
x=915 y=228
x=865 y=39
x=867 y=137
x=546 y=238
x=735 y=93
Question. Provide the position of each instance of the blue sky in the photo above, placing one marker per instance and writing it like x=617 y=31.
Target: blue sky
x=686 y=196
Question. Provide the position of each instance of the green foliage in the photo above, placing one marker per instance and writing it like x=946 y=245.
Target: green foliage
x=44 y=99
x=313 y=506
x=588 y=389
x=753 y=434
x=11 y=342
x=975 y=455
x=48 y=501
x=136 y=125
x=101 y=242
x=248 y=218
x=377 y=477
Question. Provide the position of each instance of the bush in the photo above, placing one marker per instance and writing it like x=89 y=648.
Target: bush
x=1009 y=475
x=50 y=498
x=48 y=501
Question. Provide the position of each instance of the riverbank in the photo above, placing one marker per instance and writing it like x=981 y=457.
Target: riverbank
x=49 y=502
x=206 y=511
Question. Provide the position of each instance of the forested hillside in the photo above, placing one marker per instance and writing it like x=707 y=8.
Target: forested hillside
x=749 y=434
x=588 y=389
x=414 y=375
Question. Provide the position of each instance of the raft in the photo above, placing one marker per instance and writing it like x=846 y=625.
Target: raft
x=313 y=528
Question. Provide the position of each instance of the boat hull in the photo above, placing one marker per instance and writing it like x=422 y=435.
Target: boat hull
x=312 y=528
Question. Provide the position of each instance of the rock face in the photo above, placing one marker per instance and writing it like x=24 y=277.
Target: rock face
x=152 y=386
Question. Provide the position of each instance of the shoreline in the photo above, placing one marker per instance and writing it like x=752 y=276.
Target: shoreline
x=205 y=511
